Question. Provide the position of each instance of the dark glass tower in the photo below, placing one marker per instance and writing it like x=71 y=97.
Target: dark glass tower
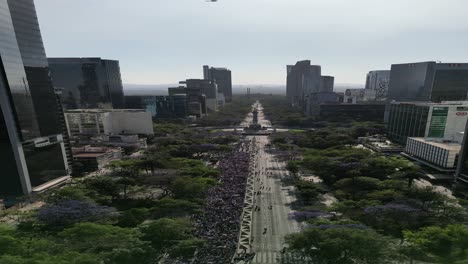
x=88 y=82
x=428 y=81
x=31 y=148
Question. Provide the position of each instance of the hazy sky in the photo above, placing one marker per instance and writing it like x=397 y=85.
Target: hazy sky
x=164 y=41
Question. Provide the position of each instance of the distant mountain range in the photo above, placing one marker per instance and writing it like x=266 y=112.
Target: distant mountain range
x=161 y=89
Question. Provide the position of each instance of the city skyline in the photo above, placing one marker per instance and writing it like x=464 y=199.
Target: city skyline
x=167 y=41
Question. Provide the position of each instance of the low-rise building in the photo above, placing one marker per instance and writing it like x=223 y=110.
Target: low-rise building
x=95 y=158
x=440 y=155
x=91 y=122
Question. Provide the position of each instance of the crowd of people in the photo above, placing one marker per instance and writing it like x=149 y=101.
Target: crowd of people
x=219 y=224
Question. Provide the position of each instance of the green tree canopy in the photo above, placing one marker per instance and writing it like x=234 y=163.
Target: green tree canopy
x=340 y=244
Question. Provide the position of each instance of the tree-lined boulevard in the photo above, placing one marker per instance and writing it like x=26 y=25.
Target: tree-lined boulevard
x=307 y=194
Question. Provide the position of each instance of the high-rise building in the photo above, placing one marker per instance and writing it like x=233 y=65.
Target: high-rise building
x=462 y=169
x=302 y=80
x=88 y=82
x=377 y=82
x=222 y=77
x=428 y=81
x=30 y=123
x=438 y=121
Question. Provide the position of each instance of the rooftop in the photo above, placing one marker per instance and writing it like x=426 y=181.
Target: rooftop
x=443 y=145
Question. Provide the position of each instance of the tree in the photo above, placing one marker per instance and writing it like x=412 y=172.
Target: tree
x=190 y=188
x=133 y=217
x=168 y=207
x=17 y=247
x=308 y=191
x=154 y=159
x=292 y=167
x=443 y=245
x=128 y=170
x=410 y=173
x=341 y=244
x=68 y=212
x=115 y=244
x=393 y=218
x=166 y=232
x=356 y=187
x=72 y=192
x=185 y=249
x=104 y=185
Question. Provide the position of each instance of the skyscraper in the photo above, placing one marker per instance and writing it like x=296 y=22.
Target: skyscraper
x=223 y=79
x=377 y=82
x=428 y=81
x=31 y=141
x=302 y=80
x=88 y=82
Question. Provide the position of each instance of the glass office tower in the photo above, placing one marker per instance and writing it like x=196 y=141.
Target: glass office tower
x=31 y=147
x=428 y=81
x=407 y=120
x=88 y=82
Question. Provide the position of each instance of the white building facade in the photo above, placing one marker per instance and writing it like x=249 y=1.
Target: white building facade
x=108 y=122
x=441 y=154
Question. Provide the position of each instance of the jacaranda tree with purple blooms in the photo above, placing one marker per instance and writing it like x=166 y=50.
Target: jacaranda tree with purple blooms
x=68 y=212
x=393 y=218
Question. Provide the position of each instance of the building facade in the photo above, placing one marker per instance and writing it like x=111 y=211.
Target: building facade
x=439 y=154
x=302 y=80
x=208 y=88
x=428 y=81
x=95 y=158
x=361 y=111
x=92 y=122
x=377 y=84
x=438 y=121
x=222 y=77
x=196 y=98
x=461 y=175
x=327 y=84
x=160 y=106
x=88 y=83
x=30 y=124
x=352 y=96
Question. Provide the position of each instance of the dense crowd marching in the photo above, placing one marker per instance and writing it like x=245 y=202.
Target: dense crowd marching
x=220 y=222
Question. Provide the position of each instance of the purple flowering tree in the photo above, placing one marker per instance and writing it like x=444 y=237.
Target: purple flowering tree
x=69 y=212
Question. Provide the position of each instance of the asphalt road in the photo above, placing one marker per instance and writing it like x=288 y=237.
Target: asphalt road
x=273 y=202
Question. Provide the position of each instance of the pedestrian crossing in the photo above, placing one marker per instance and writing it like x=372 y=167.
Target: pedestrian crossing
x=273 y=257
